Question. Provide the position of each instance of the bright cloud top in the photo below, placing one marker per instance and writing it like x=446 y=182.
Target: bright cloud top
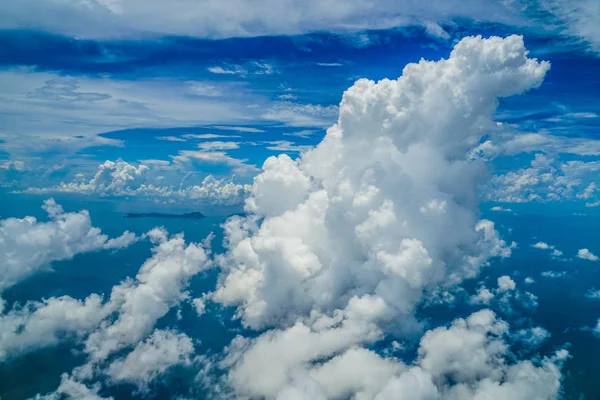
x=355 y=232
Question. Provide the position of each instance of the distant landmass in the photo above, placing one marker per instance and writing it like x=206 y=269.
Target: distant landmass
x=192 y=215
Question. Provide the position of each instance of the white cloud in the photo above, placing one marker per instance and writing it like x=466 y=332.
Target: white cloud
x=124 y=322
x=171 y=138
x=545 y=180
x=246 y=129
x=585 y=254
x=592 y=294
x=545 y=246
x=339 y=250
x=554 y=274
x=121 y=178
x=28 y=245
x=578 y=18
x=285 y=145
x=508 y=144
x=467 y=360
x=322 y=64
x=71 y=389
x=500 y=208
x=127 y=318
x=190 y=160
x=215 y=19
x=204 y=89
x=503 y=295
x=208 y=136
x=305 y=133
x=159 y=285
x=250 y=68
x=529 y=280
x=11 y=165
x=199 y=305
x=287 y=96
x=301 y=115
x=102 y=105
x=218 y=145
x=483 y=296
x=505 y=283
x=531 y=337
x=371 y=213
x=152 y=357
x=47 y=323
x=541 y=245
x=353 y=236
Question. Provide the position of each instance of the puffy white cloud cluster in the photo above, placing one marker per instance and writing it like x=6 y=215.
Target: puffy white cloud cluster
x=545 y=246
x=387 y=203
x=121 y=178
x=545 y=179
x=585 y=254
x=107 y=328
x=152 y=357
x=468 y=360
x=342 y=245
x=505 y=296
x=531 y=337
x=42 y=324
x=28 y=245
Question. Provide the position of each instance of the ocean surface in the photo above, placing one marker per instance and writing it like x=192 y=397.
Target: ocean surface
x=563 y=309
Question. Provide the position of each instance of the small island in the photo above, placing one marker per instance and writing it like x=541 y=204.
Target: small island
x=192 y=215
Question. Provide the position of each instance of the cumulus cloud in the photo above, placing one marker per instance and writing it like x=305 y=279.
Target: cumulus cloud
x=343 y=244
x=28 y=245
x=215 y=19
x=531 y=337
x=546 y=180
x=117 y=334
x=545 y=246
x=42 y=324
x=152 y=357
x=71 y=389
x=121 y=178
x=585 y=254
x=505 y=283
x=505 y=296
x=159 y=285
x=466 y=360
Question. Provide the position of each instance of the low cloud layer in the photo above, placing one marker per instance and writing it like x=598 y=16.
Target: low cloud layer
x=121 y=178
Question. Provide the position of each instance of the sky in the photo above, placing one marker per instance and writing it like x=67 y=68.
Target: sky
x=400 y=198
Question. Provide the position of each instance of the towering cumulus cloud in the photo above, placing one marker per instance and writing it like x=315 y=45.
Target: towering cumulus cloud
x=342 y=245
